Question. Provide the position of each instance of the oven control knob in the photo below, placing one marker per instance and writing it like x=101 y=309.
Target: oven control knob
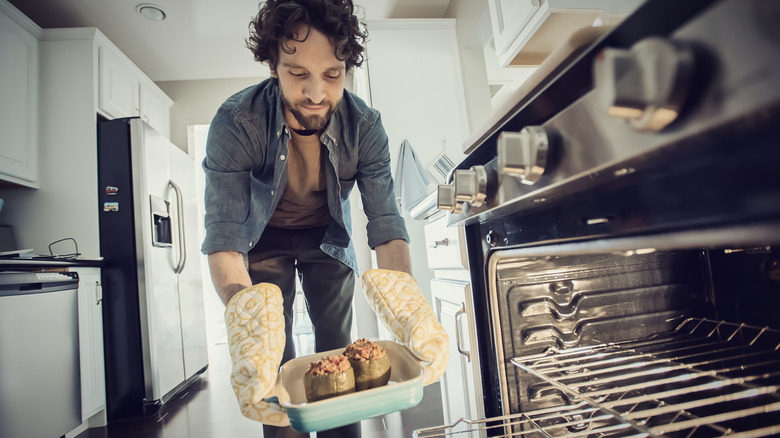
x=470 y=185
x=445 y=199
x=523 y=154
x=647 y=85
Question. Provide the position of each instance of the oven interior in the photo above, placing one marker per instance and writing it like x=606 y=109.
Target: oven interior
x=635 y=341
x=639 y=336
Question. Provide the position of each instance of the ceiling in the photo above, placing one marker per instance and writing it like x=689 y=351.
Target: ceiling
x=199 y=39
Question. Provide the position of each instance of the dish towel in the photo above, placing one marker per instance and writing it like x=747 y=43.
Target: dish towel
x=411 y=178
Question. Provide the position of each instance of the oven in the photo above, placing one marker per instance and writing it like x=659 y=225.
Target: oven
x=622 y=226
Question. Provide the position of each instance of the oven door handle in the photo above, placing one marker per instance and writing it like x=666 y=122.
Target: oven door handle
x=458 y=314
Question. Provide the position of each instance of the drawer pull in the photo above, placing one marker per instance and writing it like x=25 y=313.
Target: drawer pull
x=438 y=243
x=98 y=293
x=458 y=314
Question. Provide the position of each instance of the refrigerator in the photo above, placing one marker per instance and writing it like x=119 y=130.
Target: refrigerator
x=153 y=313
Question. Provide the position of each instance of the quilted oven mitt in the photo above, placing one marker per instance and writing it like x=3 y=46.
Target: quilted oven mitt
x=398 y=301
x=256 y=337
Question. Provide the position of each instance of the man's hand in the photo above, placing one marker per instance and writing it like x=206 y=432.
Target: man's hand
x=397 y=300
x=255 y=327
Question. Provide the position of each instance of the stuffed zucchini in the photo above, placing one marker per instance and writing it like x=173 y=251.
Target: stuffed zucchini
x=370 y=362
x=329 y=377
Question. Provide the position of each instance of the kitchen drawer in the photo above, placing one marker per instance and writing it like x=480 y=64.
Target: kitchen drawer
x=445 y=246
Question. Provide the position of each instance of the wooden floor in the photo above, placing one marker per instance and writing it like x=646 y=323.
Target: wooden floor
x=208 y=409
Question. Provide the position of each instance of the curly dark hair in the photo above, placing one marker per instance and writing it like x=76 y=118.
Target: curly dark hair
x=274 y=26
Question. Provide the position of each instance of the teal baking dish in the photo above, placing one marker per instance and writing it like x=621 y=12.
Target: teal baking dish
x=403 y=391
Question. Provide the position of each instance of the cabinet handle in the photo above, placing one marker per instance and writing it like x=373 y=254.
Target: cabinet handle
x=442 y=242
x=98 y=293
x=458 y=314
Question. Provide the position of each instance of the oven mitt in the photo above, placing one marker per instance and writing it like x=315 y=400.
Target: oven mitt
x=256 y=337
x=399 y=303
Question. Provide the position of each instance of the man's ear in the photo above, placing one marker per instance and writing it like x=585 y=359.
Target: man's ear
x=274 y=74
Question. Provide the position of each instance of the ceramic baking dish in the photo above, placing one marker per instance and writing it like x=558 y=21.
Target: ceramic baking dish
x=403 y=391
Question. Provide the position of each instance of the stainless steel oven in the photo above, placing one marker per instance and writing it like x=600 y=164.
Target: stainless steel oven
x=622 y=224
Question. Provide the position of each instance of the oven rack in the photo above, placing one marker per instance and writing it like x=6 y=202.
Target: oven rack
x=704 y=378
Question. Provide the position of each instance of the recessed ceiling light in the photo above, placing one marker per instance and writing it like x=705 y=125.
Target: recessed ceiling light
x=151 y=12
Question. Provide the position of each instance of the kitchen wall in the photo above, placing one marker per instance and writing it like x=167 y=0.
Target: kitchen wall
x=472 y=27
x=196 y=102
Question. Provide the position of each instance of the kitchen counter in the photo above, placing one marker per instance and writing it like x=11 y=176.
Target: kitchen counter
x=45 y=263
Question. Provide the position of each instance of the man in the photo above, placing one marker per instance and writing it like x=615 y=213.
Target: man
x=281 y=160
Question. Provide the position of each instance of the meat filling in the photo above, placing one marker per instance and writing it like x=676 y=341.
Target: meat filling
x=329 y=365
x=363 y=349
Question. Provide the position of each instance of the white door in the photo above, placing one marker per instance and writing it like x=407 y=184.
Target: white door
x=193 y=317
x=159 y=294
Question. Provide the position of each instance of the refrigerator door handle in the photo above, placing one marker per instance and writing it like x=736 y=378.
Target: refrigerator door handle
x=180 y=226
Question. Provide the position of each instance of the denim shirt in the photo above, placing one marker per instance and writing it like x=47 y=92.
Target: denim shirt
x=246 y=173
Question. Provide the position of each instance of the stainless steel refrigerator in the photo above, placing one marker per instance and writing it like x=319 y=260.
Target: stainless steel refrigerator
x=153 y=315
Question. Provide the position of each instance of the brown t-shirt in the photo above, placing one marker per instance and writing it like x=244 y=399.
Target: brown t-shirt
x=304 y=203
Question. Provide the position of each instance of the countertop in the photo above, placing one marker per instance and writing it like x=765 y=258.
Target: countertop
x=425 y=208
x=42 y=263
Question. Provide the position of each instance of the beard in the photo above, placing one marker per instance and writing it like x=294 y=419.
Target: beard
x=313 y=122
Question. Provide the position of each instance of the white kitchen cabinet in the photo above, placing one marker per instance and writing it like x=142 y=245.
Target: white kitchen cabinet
x=509 y=18
x=444 y=245
x=125 y=91
x=119 y=92
x=526 y=31
x=93 y=376
x=155 y=107
x=18 y=97
x=461 y=384
x=461 y=393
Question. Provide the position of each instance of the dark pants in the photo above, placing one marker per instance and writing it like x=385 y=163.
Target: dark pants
x=328 y=286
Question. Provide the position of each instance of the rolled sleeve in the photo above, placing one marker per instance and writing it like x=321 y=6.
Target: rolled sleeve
x=384 y=229
x=375 y=181
x=224 y=236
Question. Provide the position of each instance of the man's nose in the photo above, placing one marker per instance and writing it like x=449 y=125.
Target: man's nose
x=315 y=90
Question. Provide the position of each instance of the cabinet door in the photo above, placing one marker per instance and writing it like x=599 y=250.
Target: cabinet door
x=119 y=84
x=18 y=103
x=461 y=393
x=525 y=32
x=93 y=383
x=156 y=108
x=509 y=18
